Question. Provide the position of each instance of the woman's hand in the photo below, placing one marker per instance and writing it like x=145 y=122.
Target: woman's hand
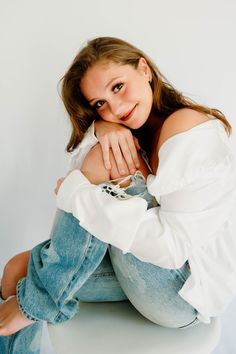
x=123 y=144
x=59 y=183
x=11 y=318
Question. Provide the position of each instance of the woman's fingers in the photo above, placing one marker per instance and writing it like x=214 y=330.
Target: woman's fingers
x=119 y=159
x=124 y=150
x=105 y=152
x=59 y=182
x=124 y=146
x=113 y=141
x=138 y=147
x=129 y=145
x=133 y=147
x=129 y=154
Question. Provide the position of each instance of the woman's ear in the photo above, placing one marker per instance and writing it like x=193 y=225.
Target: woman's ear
x=144 y=68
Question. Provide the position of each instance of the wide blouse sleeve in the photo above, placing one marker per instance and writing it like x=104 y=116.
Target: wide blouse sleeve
x=81 y=151
x=194 y=185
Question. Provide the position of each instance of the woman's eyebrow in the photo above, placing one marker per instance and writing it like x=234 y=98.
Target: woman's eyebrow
x=108 y=84
x=113 y=79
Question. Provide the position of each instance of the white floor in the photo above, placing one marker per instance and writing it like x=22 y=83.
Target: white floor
x=46 y=347
x=227 y=344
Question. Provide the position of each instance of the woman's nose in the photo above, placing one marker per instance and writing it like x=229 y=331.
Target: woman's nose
x=116 y=108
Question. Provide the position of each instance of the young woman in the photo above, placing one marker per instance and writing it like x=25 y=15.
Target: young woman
x=168 y=227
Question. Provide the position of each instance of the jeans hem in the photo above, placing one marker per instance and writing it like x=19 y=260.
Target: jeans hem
x=24 y=313
x=191 y=324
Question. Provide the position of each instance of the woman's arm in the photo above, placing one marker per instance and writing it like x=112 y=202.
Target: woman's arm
x=188 y=187
x=54 y=267
x=94 y=160
x=46 y=293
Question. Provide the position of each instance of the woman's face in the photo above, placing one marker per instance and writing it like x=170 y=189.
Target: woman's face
x=119 y=93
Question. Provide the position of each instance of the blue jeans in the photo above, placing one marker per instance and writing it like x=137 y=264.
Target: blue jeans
x=74 y=266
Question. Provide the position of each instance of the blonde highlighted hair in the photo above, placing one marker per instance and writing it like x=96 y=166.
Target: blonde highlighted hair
x=166 y=99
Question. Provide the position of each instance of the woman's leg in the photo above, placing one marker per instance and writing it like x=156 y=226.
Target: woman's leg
x=27 y=341
x=102 y=285
x=151 y=289
x=58 y=268
x=14 y=270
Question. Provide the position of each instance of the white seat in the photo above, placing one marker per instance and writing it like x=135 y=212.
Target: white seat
x=118 y=328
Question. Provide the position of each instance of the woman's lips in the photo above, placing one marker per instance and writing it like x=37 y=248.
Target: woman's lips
x=128 y=115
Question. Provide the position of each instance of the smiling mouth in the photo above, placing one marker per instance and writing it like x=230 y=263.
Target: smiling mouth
x=128 y=115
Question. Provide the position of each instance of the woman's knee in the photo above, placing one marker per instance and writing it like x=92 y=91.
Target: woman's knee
x=93 y=166
x=116 y=174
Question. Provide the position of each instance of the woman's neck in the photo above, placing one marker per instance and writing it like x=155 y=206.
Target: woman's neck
x=148 y=134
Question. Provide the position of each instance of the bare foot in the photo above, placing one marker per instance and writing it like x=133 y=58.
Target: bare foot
x=11 y=318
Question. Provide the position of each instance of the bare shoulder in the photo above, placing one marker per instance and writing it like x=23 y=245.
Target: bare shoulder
x=180 y=121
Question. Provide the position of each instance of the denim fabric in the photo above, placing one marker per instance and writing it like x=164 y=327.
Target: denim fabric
x=60 y=265
x=29 y=337
x=74 y=266
x=152 y=290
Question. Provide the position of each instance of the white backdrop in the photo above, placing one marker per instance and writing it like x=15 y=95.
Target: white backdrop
x=192 y=42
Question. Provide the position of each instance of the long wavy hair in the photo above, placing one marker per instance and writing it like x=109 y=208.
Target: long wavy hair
x=166 y=99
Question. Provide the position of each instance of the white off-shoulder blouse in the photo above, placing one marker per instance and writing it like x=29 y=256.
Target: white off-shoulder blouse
x=195 y=185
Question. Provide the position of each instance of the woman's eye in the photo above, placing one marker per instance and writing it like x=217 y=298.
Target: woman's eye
x=98 y=104
x=117 y=87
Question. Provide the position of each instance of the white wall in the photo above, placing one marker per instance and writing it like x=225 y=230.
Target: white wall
x=192 y=42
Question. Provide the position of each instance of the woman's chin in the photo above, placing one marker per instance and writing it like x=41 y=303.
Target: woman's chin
x=136 y=124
